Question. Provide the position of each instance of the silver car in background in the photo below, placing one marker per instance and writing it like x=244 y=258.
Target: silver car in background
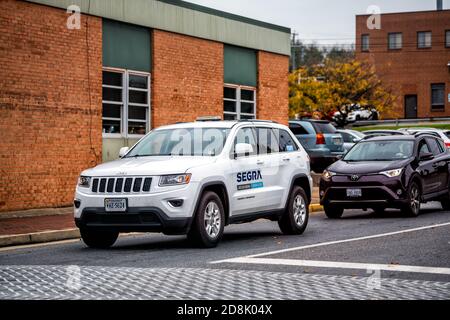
x=350 y=137
x=440 y=133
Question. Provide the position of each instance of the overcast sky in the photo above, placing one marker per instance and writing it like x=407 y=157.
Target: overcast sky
x=322 y=21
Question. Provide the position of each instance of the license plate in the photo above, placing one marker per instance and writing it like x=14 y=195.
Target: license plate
x=115 y=205
x=354 y=193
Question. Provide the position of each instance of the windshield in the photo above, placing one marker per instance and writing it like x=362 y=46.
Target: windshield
x=181 y=142
x=380 y=151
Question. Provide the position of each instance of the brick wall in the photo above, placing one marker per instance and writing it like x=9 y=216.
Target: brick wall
x=273 y=90
x=187 y=78
x=44 y=104
x=410 y=71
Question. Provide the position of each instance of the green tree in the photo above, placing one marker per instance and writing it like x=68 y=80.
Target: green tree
x=338 y=86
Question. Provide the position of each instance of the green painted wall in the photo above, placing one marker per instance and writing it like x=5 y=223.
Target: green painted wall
x=126 y=46
x=240 y=66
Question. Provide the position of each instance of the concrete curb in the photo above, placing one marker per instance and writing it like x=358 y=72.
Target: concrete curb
x=315 y=207
x=36 y=213
x=39 y=237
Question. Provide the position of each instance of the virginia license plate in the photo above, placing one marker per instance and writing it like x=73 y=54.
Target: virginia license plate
x=115 y=205
x=354 y=193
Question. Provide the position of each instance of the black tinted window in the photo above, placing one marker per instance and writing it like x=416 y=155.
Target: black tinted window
x=434 y=146
x=298 y=129
x=287 y=144
x=267 y=141
x=323 y=127
x=423 y=147
x=347 y=137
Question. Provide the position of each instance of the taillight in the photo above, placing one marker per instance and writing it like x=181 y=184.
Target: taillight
x=447 y=144
x=320 y=138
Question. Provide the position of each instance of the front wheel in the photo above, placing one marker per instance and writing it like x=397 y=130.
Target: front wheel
x=295 y=218
x=209 y=221
x=412 y=208
x=333 y=212
x=98 y=239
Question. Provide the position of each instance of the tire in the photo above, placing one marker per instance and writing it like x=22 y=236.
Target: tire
x=296 y=216
x=358 y=117
x=333 y=212
x=209 y=221
x=98 y=239
x=445 y=203
x=412 y=209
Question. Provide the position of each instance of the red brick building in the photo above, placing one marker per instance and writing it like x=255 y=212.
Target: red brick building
x=75 y=86
x=411 y=53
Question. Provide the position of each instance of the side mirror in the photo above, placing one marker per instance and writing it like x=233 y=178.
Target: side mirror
x=123 y=151
x=426 y=156
x=339 y=157
x=242 y=149
x=356 y=140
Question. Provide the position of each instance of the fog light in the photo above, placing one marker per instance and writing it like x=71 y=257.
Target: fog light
x=399 y=192
x=77 y=203
x=176 y=203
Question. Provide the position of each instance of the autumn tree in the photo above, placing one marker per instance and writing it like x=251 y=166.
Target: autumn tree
x=338 y=86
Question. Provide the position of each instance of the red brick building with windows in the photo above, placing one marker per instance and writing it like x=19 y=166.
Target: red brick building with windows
x=70 y=98
x=411 y=54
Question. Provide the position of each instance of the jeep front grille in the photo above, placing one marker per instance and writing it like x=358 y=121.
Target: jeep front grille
x=121 y=185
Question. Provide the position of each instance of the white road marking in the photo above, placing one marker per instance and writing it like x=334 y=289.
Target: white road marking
x=255 y=259
x=339 y=265
x=349 y=240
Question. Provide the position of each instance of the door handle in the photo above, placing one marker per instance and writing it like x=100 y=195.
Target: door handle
x=259 y=162
x=286 y=159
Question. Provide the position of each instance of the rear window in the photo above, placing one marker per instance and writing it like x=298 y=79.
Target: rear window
x=447 y=133
x=323 y=127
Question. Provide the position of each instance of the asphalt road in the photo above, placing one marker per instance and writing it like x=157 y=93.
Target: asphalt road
x=359 y=247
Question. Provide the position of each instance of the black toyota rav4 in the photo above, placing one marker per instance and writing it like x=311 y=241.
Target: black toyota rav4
x=388 y=172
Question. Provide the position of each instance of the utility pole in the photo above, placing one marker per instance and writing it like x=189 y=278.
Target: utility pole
x=293 y=48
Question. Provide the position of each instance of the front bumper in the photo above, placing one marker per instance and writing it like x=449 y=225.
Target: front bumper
x=146 y=212
x=377 y=191
x=146 y=219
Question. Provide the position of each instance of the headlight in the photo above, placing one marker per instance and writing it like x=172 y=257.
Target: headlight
x=328 y=174
x=84 y=182
x=392 y=173
x=175 y=179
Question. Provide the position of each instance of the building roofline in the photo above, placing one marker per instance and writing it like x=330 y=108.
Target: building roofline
x=186 y=18
x=405 y=12
x=227 y=15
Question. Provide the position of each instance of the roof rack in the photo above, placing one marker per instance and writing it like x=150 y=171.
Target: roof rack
x=418 y=134
x=208 y=118
x=255 y=120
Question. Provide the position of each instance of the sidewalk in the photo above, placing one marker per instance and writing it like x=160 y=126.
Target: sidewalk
x=22 y=227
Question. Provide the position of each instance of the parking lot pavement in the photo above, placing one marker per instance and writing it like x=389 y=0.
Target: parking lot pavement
x=362 y=256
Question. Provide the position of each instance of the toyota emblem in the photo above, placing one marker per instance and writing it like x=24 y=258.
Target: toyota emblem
x=354 y=177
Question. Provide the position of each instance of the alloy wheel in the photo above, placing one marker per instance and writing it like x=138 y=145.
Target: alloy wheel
x=299 y=207
x=415 y=201
x=212 y=220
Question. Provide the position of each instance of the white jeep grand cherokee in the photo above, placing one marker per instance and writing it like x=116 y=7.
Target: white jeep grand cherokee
x=194 y=179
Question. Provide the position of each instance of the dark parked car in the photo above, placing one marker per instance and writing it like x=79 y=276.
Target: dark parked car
x=321 y=141
x=388 y=172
